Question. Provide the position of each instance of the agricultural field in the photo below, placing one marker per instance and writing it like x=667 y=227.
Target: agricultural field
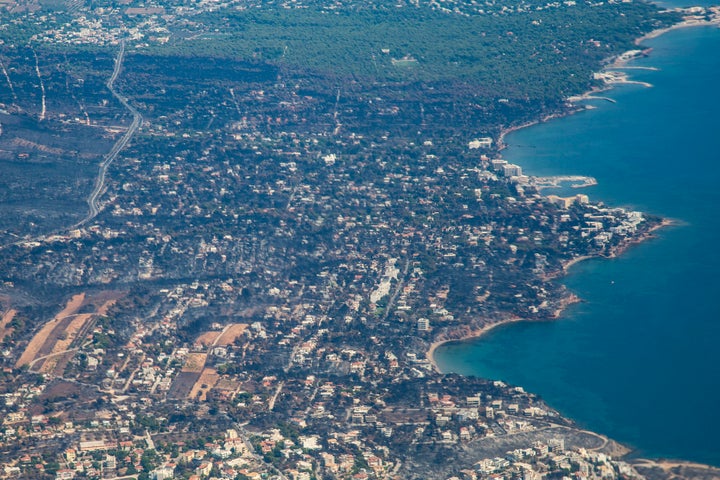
x=57 y=342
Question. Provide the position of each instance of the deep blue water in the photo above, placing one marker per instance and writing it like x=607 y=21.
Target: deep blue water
x=639 y=360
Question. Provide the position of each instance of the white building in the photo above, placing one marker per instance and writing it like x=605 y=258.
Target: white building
x=423 y=324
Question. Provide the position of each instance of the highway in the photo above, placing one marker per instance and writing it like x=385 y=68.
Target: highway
x=92 y=200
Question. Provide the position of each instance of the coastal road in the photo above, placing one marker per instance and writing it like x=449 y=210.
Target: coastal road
x=92 y=200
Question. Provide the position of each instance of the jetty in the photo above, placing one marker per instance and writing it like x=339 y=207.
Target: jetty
x=579 y=98
x=557 y=181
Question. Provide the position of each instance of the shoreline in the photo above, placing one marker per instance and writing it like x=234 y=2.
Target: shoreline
x=566 y=301
x=621 y=249
x=616 y=62
x=476 y=333
x=563 y=303
x=680 y=25
x=508 y=130
x=472 y=334
x=676 y=468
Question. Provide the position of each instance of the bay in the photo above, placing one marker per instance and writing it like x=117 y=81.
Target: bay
x=638 y=360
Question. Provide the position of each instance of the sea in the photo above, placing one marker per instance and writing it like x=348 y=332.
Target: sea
x=639 y=358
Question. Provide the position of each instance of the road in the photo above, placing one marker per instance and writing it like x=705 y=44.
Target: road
x=271 y=405
x=92 y=200
x=251 y=449
x=97 y=191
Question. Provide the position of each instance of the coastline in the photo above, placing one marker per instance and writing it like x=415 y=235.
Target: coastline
x=508 y=130
x=476 y=333
x=563 y=303
x=472 y=334
x=684 y=24
x=667 y=469
x=570 y=263
x=615 y=62
x=667 y=465
x=649 y=234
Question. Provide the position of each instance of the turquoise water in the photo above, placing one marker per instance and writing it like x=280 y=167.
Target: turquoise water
x=639 y=359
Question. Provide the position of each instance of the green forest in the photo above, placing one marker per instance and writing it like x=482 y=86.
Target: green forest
x=543 y=53
x=519 y=51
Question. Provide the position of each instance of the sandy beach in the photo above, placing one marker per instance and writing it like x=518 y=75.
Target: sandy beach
x=479 y=332
x=505 y=131
x=476 y=333
x=677 y=26
x=570 y=263
x=566 y=301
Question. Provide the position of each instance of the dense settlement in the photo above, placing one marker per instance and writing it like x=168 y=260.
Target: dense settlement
x=277 y=238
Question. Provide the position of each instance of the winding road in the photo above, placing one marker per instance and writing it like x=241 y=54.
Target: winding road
x=119 y=145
